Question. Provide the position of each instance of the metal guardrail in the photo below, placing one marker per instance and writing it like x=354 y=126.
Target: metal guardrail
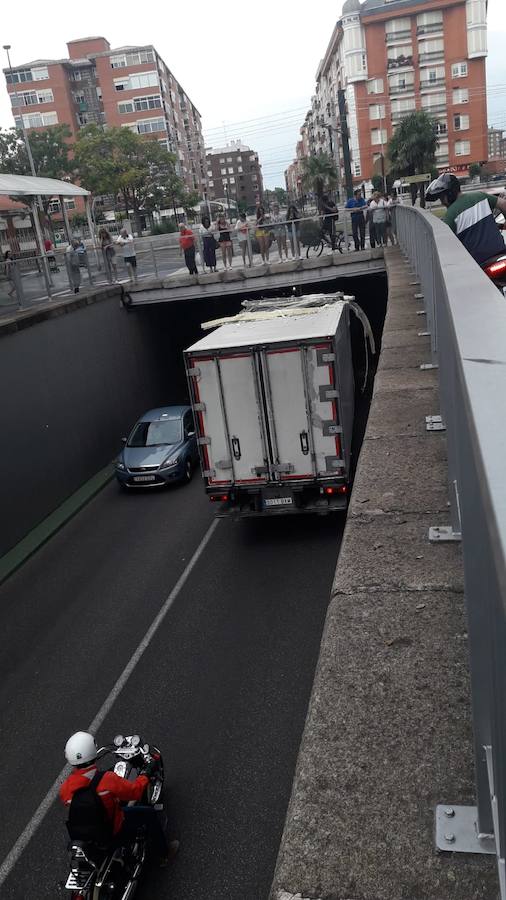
x=466 y=318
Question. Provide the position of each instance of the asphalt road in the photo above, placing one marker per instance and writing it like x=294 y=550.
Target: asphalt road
x=223 y=687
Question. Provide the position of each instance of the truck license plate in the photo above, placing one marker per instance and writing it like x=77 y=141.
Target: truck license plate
x=144 y=477
x=278 y=501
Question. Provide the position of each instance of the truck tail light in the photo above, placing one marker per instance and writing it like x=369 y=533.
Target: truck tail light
x=218 y=498
x=336 y=489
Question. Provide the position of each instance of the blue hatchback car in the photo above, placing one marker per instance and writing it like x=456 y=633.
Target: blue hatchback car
x=160 y=449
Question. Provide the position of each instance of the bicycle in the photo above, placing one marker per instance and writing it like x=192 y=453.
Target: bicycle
x=315 y=248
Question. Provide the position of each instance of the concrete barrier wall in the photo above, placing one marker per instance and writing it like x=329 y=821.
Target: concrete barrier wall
x=74 y=378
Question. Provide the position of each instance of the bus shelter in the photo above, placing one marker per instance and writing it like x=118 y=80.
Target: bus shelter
x=30 y=190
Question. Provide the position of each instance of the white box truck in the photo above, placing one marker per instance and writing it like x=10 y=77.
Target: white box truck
x=273 y=401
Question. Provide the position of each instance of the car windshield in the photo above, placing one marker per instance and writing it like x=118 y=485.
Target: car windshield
x=156 y=434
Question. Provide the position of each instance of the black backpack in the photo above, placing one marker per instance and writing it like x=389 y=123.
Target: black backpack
x=88 y=819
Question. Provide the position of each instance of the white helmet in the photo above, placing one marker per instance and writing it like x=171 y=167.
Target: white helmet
x=80 y=749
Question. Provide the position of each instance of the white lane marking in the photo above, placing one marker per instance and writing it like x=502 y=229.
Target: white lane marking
x=14 y=854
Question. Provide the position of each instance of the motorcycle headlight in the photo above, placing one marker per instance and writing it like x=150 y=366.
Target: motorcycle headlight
x=169 y=462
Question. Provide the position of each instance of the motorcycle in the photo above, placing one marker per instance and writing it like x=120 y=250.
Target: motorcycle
x=495 y=267
x=98 y=873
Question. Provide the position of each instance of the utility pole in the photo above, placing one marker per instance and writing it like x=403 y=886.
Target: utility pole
x=341 y=99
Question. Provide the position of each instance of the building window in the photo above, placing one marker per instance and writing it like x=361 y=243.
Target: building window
x=38 y=73
x=229 y=159
x=140 y=104
x=378 y=136
x=429 y=22
x=459 y=70
x=460 y=95
x=476 y=11
x=222 y=161
x=211 y=183
x=231 y=180
x=32 y=98
x=460 y=122
x=403 y=107
x=441 y=127
x=401 y=82
x=138 y=58
x=431 y=51
x=209 y=173
x=230 y=170
x=239 y=159
x=140 y=80
x=375 y=86
x=239 y=168
x=148 y=126
x=37 y=120
x=223 y=171
x=377 y=111
x=462 y=148
x=397 y=28
x=357 y=170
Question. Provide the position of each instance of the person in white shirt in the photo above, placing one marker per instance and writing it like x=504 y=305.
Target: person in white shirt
x=126 y=242
x=241 y=226
x=379 y=212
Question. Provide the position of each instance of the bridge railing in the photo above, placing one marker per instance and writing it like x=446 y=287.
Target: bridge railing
x=466 y=317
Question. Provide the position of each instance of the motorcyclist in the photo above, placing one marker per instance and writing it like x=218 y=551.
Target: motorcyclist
x=81 y=752
x=470 y=215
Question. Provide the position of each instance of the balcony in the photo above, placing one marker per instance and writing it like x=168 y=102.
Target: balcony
x=394 y=89
x=392 y=36
x=426 y=30
x=431 y=83
x=401 y=62
x=437 y=108
x=401 y=114
x=432 y=57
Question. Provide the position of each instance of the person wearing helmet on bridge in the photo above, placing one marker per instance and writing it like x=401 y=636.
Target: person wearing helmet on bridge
x=470 y=215
x=81 y=752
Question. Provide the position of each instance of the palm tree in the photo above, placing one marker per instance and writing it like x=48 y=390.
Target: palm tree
x=319 y=174
x=412 y=147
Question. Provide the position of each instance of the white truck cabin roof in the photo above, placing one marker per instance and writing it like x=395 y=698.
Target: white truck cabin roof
x=305 y=325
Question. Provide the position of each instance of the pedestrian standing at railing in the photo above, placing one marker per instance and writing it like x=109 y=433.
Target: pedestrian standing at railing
x=241 y=226
x=330 y=213
x=187 y=245
x=292 y=219
x=9 y=265
x=206 y=232
x=370 y=223
x=357 y=205
x=279 y=230
x=262 y=234
x=109 y=253
x=72 y=253
x=224 y=240
x=126 y=242
x=379 y=210
x=390 y=222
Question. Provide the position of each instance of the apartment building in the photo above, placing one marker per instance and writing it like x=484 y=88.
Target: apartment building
x=130 y=87
x=234 y=172
x=496 y=144
x=392 y=57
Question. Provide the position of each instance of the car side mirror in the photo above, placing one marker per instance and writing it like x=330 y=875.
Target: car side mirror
x=124 y=440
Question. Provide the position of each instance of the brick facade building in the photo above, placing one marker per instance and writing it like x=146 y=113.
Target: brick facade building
x=130 y=87
x=234 y=172
x=392 y=57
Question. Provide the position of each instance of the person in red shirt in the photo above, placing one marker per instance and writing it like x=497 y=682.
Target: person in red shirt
x=187 y=244
x=81 y=753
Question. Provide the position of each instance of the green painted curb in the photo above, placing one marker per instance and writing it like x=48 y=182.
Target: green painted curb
x=52 y=523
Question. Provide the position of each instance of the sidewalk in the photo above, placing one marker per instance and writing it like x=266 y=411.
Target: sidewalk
x=388 y=731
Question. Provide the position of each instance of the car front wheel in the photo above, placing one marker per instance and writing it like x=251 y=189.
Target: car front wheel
x=188 y=470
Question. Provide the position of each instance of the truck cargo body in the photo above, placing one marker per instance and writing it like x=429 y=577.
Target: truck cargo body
x=273 y=404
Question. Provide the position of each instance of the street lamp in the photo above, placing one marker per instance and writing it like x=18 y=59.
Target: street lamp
x=7 y=47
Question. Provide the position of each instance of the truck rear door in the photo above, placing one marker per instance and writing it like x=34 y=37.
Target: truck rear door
x=231 y=427
x=303 y=414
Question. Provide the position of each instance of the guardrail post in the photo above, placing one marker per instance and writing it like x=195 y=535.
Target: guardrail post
x=153 y=256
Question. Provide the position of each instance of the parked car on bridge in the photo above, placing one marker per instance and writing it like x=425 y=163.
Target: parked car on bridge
x=161 y=448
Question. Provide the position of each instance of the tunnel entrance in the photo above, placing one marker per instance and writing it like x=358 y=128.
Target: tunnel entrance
x=177 y=325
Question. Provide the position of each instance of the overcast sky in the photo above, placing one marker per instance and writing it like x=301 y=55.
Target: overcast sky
x=248 y=68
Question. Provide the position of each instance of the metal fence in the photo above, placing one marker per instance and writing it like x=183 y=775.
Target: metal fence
x=466 y=317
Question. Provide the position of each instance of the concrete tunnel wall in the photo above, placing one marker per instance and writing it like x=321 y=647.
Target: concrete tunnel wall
x=72 y=385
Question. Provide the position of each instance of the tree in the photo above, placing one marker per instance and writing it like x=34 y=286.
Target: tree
x=319 y=174
x=474 y=170
x=50 y=151
x=278 y=195
x=117 y=161
x=377 y=183
x=412 y=148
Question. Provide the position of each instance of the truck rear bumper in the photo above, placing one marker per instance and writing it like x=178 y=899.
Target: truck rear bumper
x=248 y=507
